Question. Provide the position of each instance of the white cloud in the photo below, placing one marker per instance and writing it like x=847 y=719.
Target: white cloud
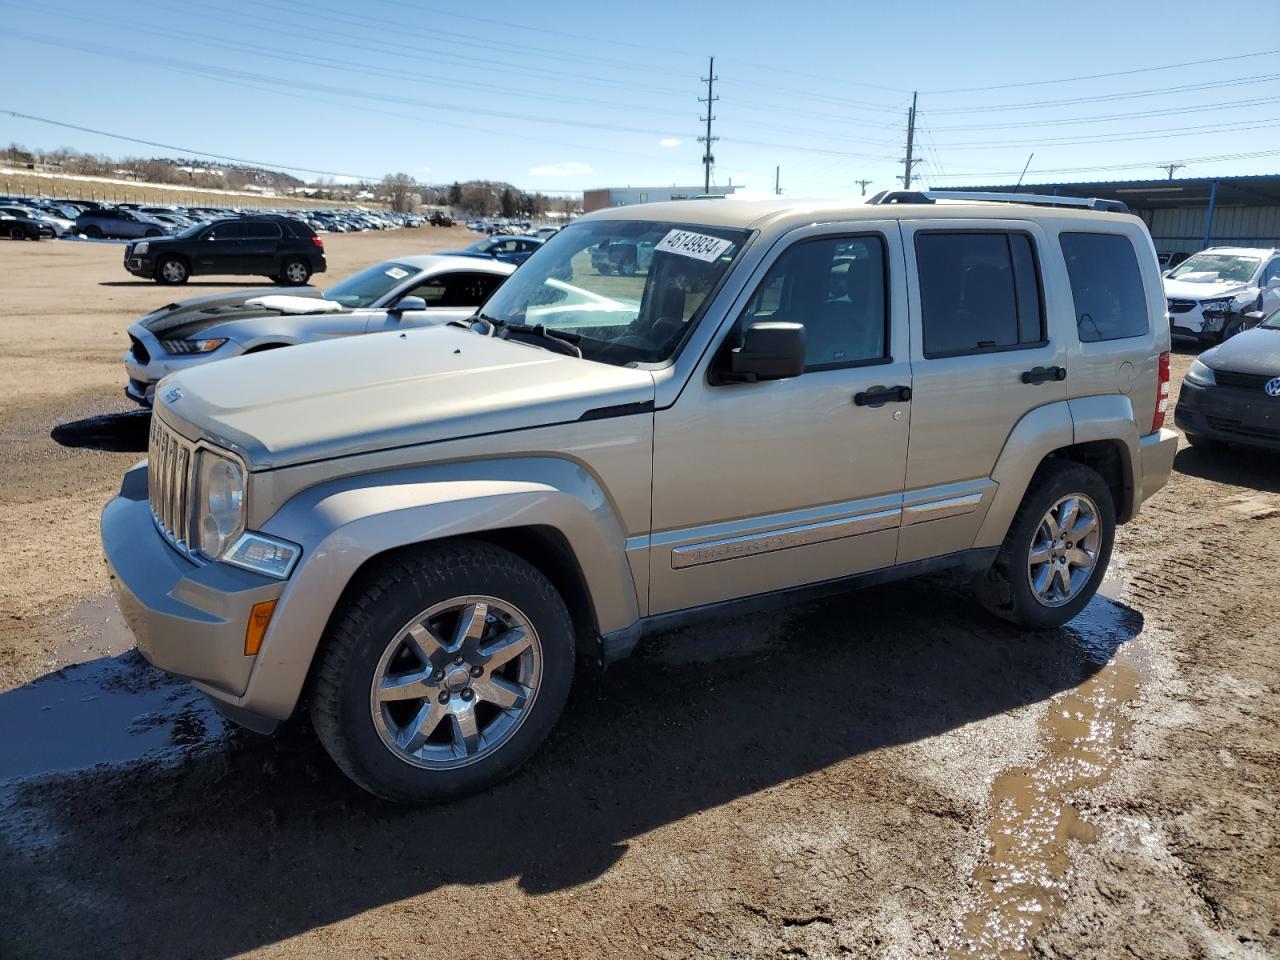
x=421 y=169
x=668 y=142
x=570 y=168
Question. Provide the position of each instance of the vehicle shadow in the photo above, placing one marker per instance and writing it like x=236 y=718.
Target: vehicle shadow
x=243 y=847
x=191 y=283
x=1240 y=466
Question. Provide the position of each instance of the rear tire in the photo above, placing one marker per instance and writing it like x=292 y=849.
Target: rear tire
x=294 y=273
x=17 y=233
x=1052 y=561
x=414 y=706
x=93 y=232
x=171 y=271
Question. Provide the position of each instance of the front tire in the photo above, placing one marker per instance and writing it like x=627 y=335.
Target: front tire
x=443 y=672
x=93 y=232
x=1056 y=551
x=171 y=271
x=17 y=233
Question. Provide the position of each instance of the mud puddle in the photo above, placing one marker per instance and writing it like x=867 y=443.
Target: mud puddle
x=1021 y=883
x=109 y=710
x=93 y=628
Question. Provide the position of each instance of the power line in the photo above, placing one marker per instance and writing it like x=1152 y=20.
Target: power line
x=1108 y=97
x=1253 y=155
x=1101 y=76
x=1165 y=133
x=189 y=151
x=1114 y=117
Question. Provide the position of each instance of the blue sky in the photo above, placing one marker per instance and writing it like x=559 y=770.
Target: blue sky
x=571 y=95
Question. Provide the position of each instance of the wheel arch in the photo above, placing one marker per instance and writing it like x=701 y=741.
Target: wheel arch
x=1098 y=432
x=549 y=512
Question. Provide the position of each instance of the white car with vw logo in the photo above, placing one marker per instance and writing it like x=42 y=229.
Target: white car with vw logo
x=1209 y=294
x=1231 y=394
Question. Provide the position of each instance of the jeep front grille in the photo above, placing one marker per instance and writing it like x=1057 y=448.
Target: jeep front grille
x=169 y=462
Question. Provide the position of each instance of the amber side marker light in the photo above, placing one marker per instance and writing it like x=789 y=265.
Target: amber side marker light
x=259 y=619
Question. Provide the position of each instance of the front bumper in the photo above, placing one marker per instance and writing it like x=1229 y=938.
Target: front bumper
x=140 y=266
x=188 y=619
x=1229 y=415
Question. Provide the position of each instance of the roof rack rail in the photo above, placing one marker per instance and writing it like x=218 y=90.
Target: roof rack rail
x=1036 y=199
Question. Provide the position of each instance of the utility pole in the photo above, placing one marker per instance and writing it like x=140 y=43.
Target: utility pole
x=909 y=162
x=707 y=157
x=777 y=181
x=863 y=184
x=1170 y=167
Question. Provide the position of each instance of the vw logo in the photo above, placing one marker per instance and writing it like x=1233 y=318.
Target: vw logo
x=1273 y=387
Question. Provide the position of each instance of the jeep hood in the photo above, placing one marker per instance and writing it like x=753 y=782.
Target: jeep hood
x=362 y=394
x=1204 y=288
x=184 y=318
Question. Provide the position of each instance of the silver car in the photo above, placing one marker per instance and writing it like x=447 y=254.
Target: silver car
x=395 y=294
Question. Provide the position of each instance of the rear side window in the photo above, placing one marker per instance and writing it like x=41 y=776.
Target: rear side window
x=260 y=230
x=979 y=292
x=1106 y=286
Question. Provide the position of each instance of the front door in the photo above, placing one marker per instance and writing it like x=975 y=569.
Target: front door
x=219 y=250
x=763 y=486
x=982 y=357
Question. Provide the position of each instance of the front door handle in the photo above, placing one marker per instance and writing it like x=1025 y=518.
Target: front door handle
x=877 y=396
x=1044 y=374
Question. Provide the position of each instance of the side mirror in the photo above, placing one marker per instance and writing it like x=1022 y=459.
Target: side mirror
x=406 y=304
x=770 y=351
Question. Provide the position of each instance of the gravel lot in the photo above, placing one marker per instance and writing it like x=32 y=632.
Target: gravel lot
x=890 y=774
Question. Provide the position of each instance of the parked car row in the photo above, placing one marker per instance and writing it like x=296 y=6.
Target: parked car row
x=132 y=221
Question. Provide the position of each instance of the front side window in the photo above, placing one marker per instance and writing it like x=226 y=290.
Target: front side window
x=979 y=292
x=631 y=290
x=1106 y=286
x=459 y=289
x=836 y=289
x=1208 y=267
x=229 y=231
x=371 y=284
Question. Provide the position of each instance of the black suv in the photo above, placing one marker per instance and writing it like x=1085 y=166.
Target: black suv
x=281 y=248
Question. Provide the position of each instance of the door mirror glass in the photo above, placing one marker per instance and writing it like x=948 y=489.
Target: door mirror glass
x=409 y=303
x=771 y=350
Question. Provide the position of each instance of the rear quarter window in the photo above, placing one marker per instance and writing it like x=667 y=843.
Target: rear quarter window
x=1106 y=286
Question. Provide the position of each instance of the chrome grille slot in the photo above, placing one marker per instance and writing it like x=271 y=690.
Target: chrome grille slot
x=169 y=482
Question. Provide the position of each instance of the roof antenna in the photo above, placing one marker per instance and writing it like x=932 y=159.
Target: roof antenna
x=1024 y=171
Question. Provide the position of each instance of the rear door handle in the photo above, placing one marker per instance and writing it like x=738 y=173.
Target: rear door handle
x=1044 y=374
x=877 y=396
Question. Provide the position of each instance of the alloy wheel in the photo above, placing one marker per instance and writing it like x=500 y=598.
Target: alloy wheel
x=1064 y=550
x=456 y=682
x=295 y=273
x=173 y=271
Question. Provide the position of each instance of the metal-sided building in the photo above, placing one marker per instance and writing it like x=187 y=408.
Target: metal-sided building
x=625 y=196
x=1186 y=214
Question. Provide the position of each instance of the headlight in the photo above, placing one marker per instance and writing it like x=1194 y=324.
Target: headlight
x=1201 y=374
x=219 y=503
x=192 y=346
x=1218 y=304
x=141 y=248
x=263 y=554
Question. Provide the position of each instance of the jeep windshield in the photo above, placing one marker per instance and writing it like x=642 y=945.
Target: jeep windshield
x=629 y=290
x=370 y=285
x=1219 y=265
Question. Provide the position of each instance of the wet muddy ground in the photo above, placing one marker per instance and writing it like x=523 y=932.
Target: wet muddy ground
x=888 y=774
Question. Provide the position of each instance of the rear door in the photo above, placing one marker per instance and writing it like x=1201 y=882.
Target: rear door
x=260 y=249
x=981 y=358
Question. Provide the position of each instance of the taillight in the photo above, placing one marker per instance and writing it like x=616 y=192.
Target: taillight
x=1162 y=393
x=317 y=241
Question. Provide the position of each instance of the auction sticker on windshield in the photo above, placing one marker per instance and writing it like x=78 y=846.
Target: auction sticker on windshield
x=396 y=273
x=696 y=245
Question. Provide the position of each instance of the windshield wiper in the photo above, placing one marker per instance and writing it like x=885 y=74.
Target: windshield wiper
x=566 y=343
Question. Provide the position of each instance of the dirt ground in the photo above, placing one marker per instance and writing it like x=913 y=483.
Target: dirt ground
x=889 y=774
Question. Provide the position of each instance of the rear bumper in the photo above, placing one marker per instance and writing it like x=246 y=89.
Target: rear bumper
x=1158 y=450
x=188 y=619
x=1232 y=416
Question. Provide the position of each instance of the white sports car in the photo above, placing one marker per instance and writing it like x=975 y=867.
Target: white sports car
x=407 y=291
